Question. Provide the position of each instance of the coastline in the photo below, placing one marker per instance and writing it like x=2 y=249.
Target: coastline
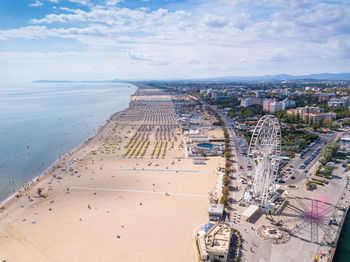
x=89 y=208
x=32 y=182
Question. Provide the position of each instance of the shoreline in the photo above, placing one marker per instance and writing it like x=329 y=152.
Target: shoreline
x=32 y=182
x=88 y=204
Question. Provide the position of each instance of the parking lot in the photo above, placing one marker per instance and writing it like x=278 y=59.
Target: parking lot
x=298 y=168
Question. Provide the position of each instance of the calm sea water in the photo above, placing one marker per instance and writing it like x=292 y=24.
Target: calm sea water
x=343 y=249
x=40 y=122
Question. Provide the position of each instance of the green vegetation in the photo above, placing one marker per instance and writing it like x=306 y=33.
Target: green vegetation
x=341 y=112
x=222 y=102
x=226 y=180
x=295 y=119
x=318 y=180
x=346 y=123
x=324 y=171
x=293 y=141
x=328 y=152
x=314 y=182
x=247 y=136
x=328 y=171
x=225 y=195
x=245 y=112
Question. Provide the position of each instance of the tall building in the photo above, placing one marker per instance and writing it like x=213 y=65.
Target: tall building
x=266 y=104
x=312 y=113
x=246 y=102
x=276 y=106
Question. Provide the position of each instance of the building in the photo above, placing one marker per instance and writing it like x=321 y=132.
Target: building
x=305 y=111
x=337 y=102
x=260 y=93
x=273 y=106
x=214 y=245
x=324 y=96
x=215 y=95
x=215 y=211
x=276 y=106
x=250 y=212
x=246 y=102
x=313 y=114
x=286 y=93
x=203 y=92
x=266 y=104
x=324 y=117
x=286 y=103
x=344 y=144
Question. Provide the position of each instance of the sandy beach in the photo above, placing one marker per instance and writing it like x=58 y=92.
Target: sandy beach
x=111 y=199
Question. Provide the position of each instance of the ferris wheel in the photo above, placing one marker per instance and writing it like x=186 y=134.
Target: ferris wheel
x=264 y=155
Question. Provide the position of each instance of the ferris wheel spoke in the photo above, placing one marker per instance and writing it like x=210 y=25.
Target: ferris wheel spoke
x=263 y=153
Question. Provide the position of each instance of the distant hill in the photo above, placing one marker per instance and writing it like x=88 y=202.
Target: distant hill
x=281 y=77
x=286 y=77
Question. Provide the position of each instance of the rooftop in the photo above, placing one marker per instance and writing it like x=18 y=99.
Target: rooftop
x=217 y=239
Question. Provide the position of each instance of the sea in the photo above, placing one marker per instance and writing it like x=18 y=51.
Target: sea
x=342 y=253
x=39 y=122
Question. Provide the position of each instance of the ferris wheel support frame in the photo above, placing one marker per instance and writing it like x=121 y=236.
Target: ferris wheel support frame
x=264 y=153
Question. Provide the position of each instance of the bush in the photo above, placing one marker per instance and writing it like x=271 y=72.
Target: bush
x=318 y=180
x=315 y=182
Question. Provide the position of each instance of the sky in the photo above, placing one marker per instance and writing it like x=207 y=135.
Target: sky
x=171 y=39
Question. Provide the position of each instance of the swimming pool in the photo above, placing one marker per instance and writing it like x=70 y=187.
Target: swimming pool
x=206 y=145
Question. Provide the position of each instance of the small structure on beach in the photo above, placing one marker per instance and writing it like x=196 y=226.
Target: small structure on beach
x=214 y=245
x=215 y=211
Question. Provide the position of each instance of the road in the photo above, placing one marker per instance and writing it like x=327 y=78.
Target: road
x=300 y=174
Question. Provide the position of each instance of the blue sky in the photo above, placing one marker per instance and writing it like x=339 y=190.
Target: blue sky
x=160 y=39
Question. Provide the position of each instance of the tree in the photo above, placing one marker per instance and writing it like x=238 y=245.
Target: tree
x=226 y=180
x=311 y=120
x=329 y=123
x=329 y=152
x=227 y=154
x=307 y=119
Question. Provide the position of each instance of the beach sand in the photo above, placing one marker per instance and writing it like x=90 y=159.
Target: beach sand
x=97 y=205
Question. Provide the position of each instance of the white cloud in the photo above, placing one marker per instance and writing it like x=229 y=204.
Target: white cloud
x=54 y=1
x=83 y=2
x=211 y=39
x=138 y=56
x=36 y=3
x=112 y=2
